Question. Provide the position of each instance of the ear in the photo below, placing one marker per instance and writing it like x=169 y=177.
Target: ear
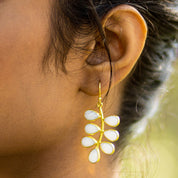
x=126 y=32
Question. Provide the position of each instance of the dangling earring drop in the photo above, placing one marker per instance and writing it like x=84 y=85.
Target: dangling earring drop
x=91 y=129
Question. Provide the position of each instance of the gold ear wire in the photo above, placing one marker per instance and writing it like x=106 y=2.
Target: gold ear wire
x=91 y=129
x=99 y=92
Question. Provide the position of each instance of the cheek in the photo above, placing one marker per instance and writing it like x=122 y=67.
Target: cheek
x=26 y=98
x=23 y=39
x=21 y=48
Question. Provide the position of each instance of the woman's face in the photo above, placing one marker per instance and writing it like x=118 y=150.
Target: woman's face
x=38 y=109
x=30 y=102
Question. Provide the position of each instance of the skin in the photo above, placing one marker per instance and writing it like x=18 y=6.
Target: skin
x=41 y=114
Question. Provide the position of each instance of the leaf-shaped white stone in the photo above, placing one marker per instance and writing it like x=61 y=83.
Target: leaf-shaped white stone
x=94 y=155
x=91 y=115
x=91 y=129
x=107 y=147
x=88 y=141
x=112 y=121
x=111 y=135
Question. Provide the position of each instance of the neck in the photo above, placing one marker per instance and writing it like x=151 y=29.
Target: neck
x=65 y=159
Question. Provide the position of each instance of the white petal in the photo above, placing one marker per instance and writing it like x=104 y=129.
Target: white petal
x=91 y=115
x=112 y=121
x=107 y=147
x=94 y=156
x=88 y=141
x=111 y=135
x=91 y=129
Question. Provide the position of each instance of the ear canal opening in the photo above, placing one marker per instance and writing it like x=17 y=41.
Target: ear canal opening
x=98 y=56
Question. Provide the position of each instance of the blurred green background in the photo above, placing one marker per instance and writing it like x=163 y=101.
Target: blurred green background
x=154 y=154
x=164 y=137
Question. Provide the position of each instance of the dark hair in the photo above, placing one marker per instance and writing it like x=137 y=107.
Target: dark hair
x=70 y=18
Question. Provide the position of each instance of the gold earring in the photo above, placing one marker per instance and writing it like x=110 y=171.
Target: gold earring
x=91 y=129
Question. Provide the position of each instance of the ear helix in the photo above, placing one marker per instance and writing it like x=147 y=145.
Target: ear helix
x=112 y=135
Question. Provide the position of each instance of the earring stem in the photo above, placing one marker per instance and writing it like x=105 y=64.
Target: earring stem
x=100 y=105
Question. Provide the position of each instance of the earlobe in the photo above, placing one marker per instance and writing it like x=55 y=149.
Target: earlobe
x=126 y=32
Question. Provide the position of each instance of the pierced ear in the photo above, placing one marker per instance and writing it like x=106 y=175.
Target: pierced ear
x=126 y=32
